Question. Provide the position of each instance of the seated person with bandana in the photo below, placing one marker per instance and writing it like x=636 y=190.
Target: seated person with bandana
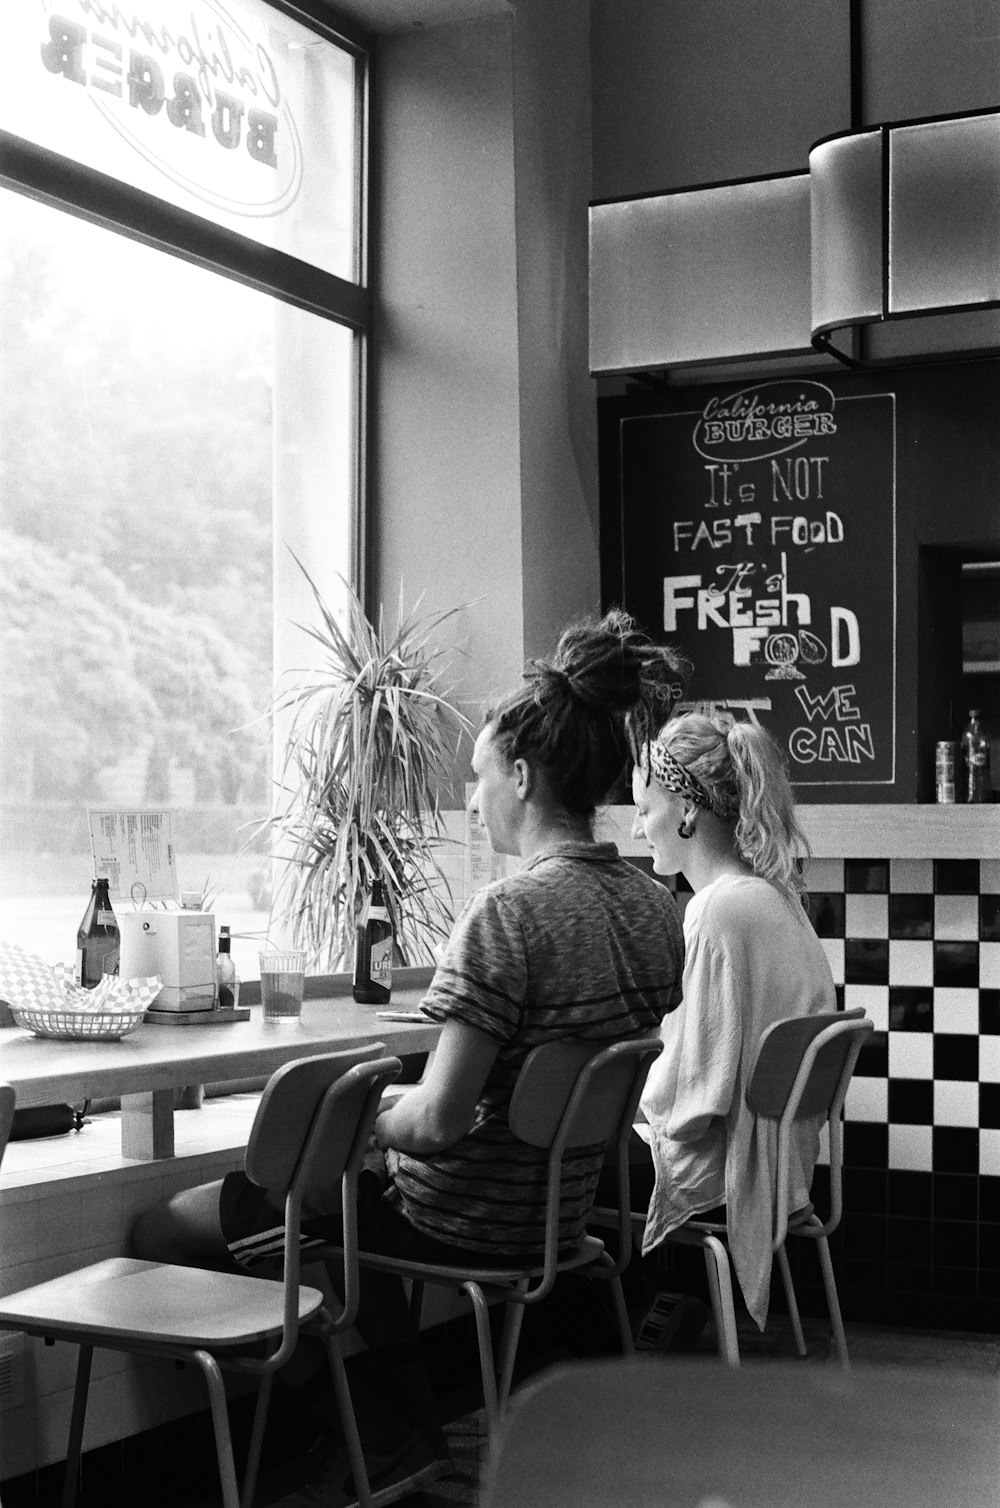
x=714 y=804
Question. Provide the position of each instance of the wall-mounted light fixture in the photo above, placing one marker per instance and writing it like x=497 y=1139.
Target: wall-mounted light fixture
x=905 y=240
x=716 y=273
x=886 y=252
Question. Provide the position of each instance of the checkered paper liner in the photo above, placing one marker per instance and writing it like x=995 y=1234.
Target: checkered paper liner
x=44 y=998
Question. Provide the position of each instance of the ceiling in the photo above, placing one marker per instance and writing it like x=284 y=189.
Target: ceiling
x=401 y=15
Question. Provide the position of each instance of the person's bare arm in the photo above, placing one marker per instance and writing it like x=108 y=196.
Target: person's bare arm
x=436 y=1113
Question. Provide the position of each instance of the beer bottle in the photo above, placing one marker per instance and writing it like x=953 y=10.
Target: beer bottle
x=98 y=941
x=976 y=760
x=373 y=951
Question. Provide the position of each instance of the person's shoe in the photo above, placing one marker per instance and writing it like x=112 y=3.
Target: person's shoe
x=329 y=1479
x=320 y=1475
x=420 y=1464
x=673 y=1322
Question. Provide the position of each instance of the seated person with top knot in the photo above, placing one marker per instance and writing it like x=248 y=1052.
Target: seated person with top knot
x=577 y=944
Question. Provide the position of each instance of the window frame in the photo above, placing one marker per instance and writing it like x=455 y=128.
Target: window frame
x=76 y=189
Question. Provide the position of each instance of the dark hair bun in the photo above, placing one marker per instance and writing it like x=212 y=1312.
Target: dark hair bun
x=582 y=713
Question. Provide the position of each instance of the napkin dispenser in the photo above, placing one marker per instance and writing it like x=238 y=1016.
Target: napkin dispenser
x=179 y=946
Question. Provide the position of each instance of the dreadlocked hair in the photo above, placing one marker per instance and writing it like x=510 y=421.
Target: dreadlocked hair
x=742 y=770
x=580 y=715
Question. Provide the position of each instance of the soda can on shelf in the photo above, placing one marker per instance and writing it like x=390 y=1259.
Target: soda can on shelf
x=945 y=767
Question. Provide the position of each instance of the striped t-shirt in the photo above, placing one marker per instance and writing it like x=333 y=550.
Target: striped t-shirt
x=578 y=944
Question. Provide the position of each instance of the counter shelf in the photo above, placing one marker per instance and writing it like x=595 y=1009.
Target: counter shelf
x=144 y=1069
x=871 y=830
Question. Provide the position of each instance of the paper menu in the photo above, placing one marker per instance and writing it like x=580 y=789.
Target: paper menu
x=133 y=849
x=481 y=864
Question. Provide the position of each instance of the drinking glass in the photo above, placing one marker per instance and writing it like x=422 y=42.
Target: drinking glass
x=282 y=982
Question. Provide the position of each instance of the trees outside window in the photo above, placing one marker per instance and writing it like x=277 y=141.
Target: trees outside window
x=175 y=419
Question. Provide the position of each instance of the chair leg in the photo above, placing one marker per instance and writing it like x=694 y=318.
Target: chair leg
x=220 y=1425
x=345 y=1406
x=482 y=1312
x=256 y=1439
x=720 y=1283
x=71 y=1477
x=512 y=1320
x=833 y=1302
x=416 y=1301
x=621 y=1315
x=791 y=1300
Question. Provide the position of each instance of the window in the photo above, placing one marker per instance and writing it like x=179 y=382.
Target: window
x=183 y=313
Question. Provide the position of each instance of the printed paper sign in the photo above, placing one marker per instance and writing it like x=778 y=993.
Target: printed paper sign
x=134 y=850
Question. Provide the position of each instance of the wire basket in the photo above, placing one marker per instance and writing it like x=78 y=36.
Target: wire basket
x=80 y=1026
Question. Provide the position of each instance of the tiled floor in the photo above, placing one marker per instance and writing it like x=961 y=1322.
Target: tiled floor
x=193 y=1486
x=874 y=1345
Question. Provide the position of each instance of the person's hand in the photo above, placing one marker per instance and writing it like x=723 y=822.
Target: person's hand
x=373 y=1177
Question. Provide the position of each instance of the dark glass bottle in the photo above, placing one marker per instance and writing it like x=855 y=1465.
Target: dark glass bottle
x=98 y=941
x=976 y=760
x=373 y=951
x=225 y=973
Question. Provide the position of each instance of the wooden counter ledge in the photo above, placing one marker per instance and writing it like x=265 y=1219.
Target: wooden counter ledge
x=872 y=830
x=145 y=1068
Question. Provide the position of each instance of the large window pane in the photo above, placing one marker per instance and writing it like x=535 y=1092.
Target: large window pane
x=168 y=440
x=232 y=111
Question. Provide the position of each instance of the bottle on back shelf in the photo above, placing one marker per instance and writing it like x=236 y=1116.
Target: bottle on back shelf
x=98 y=941
x=976 y=760
x=228 y=992
x=373 y=951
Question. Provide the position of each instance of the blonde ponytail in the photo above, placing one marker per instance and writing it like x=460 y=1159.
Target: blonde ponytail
x=743 y=774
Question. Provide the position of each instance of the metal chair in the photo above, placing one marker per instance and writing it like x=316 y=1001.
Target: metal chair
x=801 y=1071
x=312 y=1127
x=568 y=1094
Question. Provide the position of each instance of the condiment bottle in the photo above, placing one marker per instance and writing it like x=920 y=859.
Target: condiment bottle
x=373 y=951
x=228 y=993
x=946 y=763
x=98 y=940
x=976 y=760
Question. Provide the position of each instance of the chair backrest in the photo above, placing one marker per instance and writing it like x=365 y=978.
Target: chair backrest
x=6 y=1116
x=311 y=1130
x=286 y=1121
x=579 y=1094
x=812 y=1056
x=801 y=1072
x=544 y=1105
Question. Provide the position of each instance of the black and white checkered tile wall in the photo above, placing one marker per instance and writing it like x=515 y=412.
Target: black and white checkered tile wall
x=916 y=942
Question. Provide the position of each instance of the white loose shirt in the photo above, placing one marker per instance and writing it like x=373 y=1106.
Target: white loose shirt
x=752 y=958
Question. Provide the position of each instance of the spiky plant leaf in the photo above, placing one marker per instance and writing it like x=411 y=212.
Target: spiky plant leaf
x=372 y=733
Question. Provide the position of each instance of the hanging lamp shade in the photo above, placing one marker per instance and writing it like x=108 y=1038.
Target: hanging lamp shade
x=704 y=275
x=905 y=240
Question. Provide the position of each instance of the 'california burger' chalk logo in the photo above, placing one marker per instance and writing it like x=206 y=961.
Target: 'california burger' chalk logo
x=765 y=420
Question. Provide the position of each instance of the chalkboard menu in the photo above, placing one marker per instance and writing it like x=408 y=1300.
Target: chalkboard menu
x=758 y=535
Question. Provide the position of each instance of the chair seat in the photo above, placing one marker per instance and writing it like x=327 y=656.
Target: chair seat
x=589 y=1250
x=124 y=1299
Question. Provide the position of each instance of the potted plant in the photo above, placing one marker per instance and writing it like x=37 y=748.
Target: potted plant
x=373 y=739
